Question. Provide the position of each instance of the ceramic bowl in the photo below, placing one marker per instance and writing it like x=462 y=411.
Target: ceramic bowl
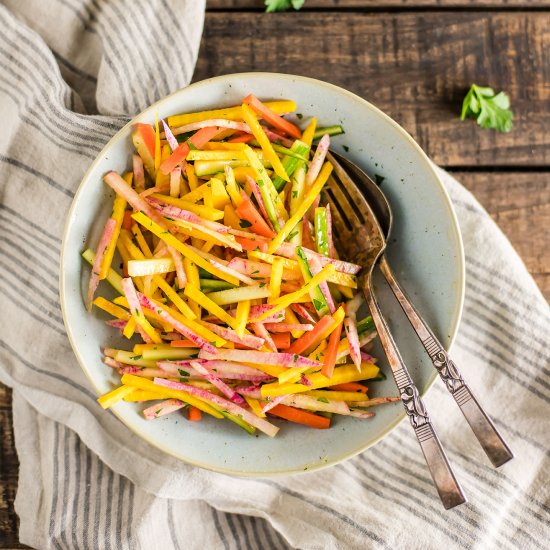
x=425 y=251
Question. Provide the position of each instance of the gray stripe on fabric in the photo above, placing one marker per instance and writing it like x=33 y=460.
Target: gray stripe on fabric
x=360 y=475
x=16 y=214
x=23 y=306
x=120 y=510
x=87 y=497
x=539 y=446
x=255 y=531
x=40 y=128
x=19 y=282
x=323 y=507
x=171 y=524
x=505 y=364
x=67 y=471
x=502 y=337
x=21 y=233
x=29 y=169
x=283 y=544
x=472 y=296
x=266 y=529
x=37 y=261
x=76 y=526
x=55 y=484
x=73 y=68
x=480 y=352
x=40 y=49
x=403 y=475
x=54 y=375
x=246 y=530
x=233 y=528
x=219 y=528
x=526 y=299
x=49 y=133
x=109 y=499
x=98 y=511
x=130 y=515
x=88 y=131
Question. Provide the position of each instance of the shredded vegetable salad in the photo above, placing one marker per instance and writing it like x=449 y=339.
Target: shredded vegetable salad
x=230 y=279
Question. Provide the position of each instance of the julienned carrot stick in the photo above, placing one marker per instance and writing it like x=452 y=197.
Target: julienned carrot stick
x=281 y=339
x=198 y=140
x=243 y=138
x=247 y=211
x=309 y=338
x=194 y=414
x=127 y=221
x=183 y=344
x=332 y=351
x=300 y=417
x=350 y=386
x=273 y=118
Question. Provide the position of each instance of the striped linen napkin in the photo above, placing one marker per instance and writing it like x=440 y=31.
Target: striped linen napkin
x=86 y=481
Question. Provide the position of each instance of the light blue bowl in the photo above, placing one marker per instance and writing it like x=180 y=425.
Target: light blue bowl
x=425 y=250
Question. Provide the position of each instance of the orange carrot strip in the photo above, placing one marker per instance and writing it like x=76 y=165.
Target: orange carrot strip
x=247 y=211
x=332 y=351
x=183 y=344
x=194 y=414
x=198 y=140
x=308 y=338
x=300 y=417
x=273 y=118
x=281 y=340
x=243 y=138
x=127 y=221
x=350 y=386
x=251 y=244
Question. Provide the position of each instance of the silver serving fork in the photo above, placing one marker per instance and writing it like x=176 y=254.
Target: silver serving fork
x=364 y=242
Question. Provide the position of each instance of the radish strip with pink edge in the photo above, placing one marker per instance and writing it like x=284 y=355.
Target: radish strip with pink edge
x=104 y=240
x=219 y=122
x=180 y=327
x=318 y=160
x=139 y=174
x=303 y=312
x=316 y=267
x=260 y=330
x=169 y=136
x=135 y=307
x=287 y=327
x=231 y=407
x=216 y=381
x=261 y=357
x=161 y=409
x=229 y=334
x=350 y=325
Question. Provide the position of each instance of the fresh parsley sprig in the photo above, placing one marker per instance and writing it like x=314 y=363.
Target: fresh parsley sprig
x=489 y=109
x=282 y=5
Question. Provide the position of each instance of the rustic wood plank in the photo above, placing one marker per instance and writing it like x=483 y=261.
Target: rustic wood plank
x=9 y=468
x=414 y=66
x=382 y=4
x=520 y=204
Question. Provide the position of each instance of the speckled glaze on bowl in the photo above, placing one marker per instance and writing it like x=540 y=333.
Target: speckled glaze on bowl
x=425 y=251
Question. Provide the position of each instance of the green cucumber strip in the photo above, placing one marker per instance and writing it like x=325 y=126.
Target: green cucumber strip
x=113 y=277
x=364 y=325
x=330 y=130
x=203 y=274
x=291 y=163
x=378 y=377
x=319 y=302
x=210 y=285
x=209 y=167
x=240 y=422
x=321 y=231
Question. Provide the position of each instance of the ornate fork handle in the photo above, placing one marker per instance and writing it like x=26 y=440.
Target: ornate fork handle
x=488 y=436
x=449 y=490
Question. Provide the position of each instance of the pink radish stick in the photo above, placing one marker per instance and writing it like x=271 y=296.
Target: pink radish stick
x=260 y=357
x=217 y=382
x=135 y=307
x=172 y=141
x=139 y=174
x=273 y=403
x=260 y=330
x=219 y=122
x=317 y=161
x=165 y=407
x=303 y=312
x=104 y=240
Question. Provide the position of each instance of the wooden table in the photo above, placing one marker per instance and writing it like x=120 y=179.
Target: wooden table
x=414 y=59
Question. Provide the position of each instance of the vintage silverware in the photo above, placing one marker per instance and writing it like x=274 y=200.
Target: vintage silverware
x=363 y=240
x=487 y=434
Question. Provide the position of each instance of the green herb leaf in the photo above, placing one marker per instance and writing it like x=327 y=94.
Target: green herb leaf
x=157 y=411
x=317 y=304
x=244 y=223
x=323 y=399
x=135 y=358
x=183 y=372
x=489 y=110
x=282 y=5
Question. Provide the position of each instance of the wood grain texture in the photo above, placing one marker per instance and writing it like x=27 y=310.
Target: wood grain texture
x=520 y=205
x=381 y=4
x=416 y=67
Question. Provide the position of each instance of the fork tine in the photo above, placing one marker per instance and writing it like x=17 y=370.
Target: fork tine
x=340 y=225
x=358 y=200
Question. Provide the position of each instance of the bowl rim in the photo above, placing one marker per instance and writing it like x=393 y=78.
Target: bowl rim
x=428 y=165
